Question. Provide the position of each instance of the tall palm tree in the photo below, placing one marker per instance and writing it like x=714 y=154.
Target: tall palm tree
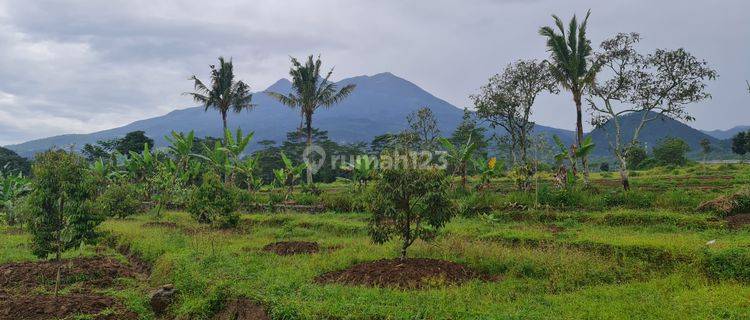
x=569 y=64
x=309 y=92
x=224 y=93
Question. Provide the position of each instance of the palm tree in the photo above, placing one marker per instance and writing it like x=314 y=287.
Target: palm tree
x=224 y=93
x=569 y=55
x=310 y=91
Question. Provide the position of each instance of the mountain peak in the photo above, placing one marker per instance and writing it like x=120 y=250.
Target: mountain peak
x=282 y=85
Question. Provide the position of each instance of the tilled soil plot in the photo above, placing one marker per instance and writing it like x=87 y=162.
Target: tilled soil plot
x=25 y=289
x=738 y=221
x=284 y=248
x=242 y=309
x=404 y=273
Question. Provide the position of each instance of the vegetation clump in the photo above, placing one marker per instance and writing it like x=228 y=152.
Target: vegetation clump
x=214 y=203
x=727 y=205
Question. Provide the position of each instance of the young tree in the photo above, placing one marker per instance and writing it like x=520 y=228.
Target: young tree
x=410 y=204
x=469 y=129
x=310 y=91
x=423 y=124
x=62 y=213
x=507 y=101
x=223 y=93
x=659 y=84
x=570 y=65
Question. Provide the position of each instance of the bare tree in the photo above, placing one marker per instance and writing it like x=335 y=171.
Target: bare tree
x=659 y=84
x=506 y=101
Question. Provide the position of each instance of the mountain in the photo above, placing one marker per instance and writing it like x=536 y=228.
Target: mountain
x=726 y=134
x=378 y=105
x=653 y=132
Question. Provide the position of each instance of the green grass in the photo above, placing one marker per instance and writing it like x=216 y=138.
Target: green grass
x=570 y=277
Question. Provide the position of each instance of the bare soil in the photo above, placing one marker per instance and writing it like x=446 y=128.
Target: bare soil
x=738 y=221
x=242 y=309
x=94 y=272
x=404 y=273
x=285 y=248
x=25 y=289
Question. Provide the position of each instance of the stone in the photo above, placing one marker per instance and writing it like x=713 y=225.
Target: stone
x=162 y=298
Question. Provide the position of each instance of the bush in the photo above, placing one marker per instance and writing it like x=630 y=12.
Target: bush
x=729 y=264
x=568 y=198
x=345 y=201
x=213 y=202
x=60 y=208
x=306 y=199
x=120 y=200
x=671 y=151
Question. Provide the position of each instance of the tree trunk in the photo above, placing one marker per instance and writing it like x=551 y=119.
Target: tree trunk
x=463 y=176
x=579 y=136
x=308 y=121
x=224 y=122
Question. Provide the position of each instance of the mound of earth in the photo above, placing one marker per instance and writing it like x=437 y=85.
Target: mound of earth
x=95 y=272
x=403 y=273
x=284 y=248
x=242 y=309
x=738 y=221
x=735 y=203
x=64 y=306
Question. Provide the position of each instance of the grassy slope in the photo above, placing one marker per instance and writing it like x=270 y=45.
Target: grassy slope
x=538 y=281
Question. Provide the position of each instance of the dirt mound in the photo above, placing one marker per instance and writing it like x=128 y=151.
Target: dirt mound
x=738 y=202
x=96 y=272
x=738 y=221
x=403 y=273
x=284 y=248
x=50 y=307
x=242 y=309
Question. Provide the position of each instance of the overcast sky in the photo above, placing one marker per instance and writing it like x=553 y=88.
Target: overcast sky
x=84 y=66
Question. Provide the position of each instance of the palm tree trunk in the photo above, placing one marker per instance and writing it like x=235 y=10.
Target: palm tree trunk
x=224 y=122
x=308 y=123
x=579 y=136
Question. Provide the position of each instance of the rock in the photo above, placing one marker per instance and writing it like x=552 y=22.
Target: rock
x=162 y=298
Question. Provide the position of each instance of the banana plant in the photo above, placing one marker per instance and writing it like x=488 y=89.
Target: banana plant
x=572 y=155
x=288 y=175
x=235 y=146
x=12 y=187
x=217 y=158
x=181 y=146
x=363 y=169
x=459 y=156
x=247 y=167
x=488 y=169
x=141 y=165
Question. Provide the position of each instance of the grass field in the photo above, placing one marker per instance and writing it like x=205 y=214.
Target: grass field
x=637 y=257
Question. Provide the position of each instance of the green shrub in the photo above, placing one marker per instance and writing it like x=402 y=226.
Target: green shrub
x=569 y=198
x=306 y=199
x=345 y=201
x=120 y=200
x=214 y=203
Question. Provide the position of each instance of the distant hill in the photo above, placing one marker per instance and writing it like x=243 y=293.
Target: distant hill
x=726 y=134
x=379 y=104
x=652 y=133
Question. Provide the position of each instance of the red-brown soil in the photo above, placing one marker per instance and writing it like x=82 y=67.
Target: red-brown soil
x=285 y=248
x=403 y=273
x=242 y=309
x=738 y=221
x=95 y=272
x=51 y=307
x=81 y=280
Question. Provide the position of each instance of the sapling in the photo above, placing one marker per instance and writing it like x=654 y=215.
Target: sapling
x=410 y=204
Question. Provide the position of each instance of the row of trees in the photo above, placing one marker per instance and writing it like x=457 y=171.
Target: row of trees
x=614 y=81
